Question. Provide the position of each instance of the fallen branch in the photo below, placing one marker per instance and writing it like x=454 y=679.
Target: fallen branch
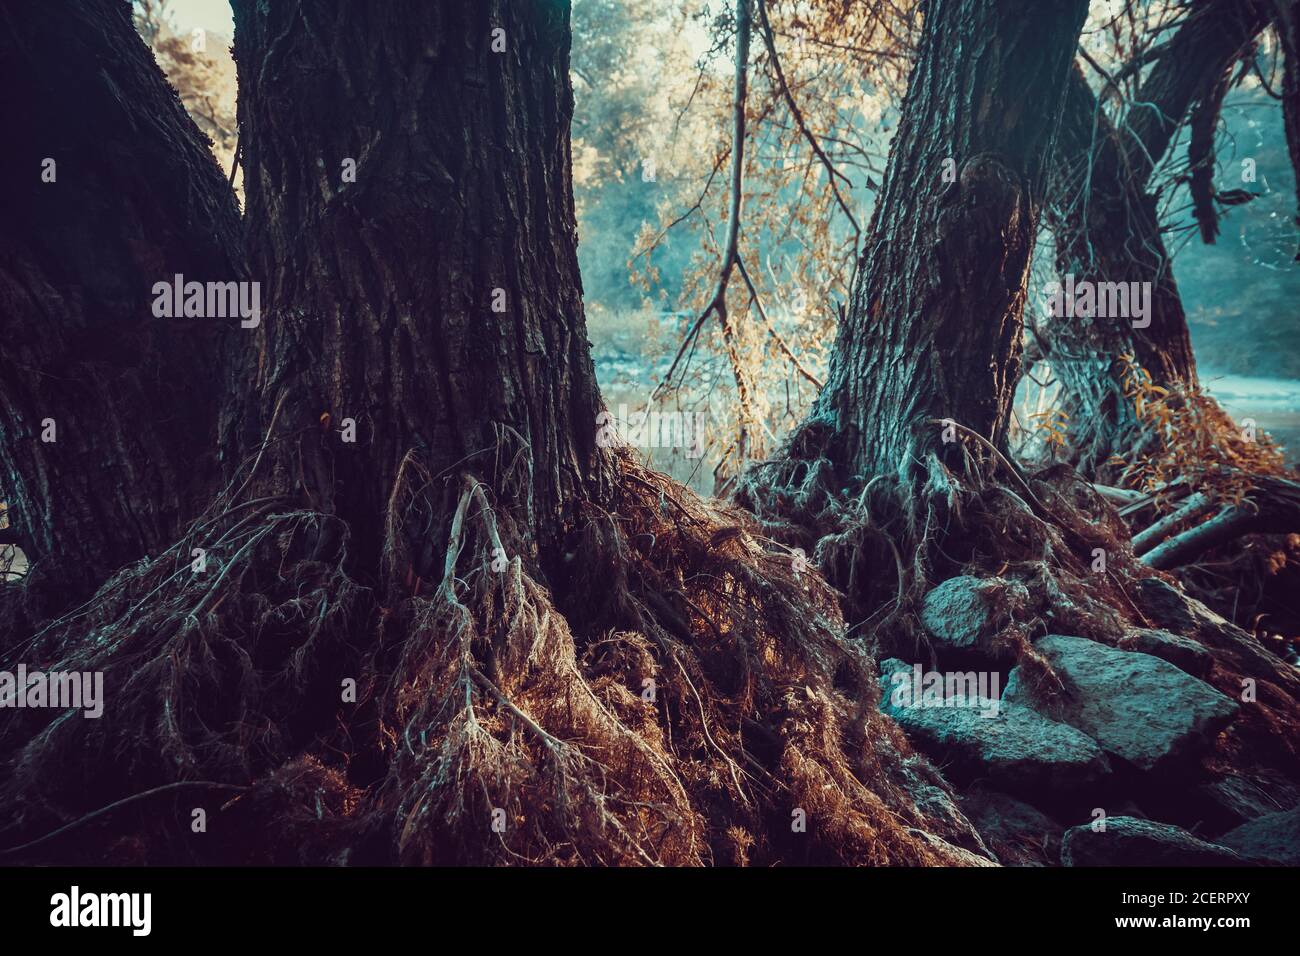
x=1119 y=495
x=1273 y=507
x=1191 y=509
x=125 y=801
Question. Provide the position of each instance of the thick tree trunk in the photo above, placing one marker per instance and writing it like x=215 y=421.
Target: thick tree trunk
x=933 y=329
x=1107 y=230
x=512 y=689
x=106 y=412
x=410 y=215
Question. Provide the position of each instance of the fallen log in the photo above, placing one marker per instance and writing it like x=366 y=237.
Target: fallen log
x=1272 y=507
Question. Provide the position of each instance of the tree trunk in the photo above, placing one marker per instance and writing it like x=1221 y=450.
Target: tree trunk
x=106 y=412
x=1287 y=13
x=1107 y=230
x=661 y=689
x=1215 y=34
x=933 y=329
x=410 y=213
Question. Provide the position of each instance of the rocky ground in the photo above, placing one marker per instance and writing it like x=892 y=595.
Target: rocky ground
x=1132 y=764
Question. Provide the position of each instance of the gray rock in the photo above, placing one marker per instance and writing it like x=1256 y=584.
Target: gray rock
x=1129 y=841
x=951 y=855
x=1018 y=749
x=1183 y=652
x=1134 y=705
x=968 y=612
x=946 y=819
x=1274 y=838
x=1232 y=647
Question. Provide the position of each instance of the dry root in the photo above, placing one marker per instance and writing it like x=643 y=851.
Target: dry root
x=680 y=691
x=683 y=696
x=886 y=541
x=210 y=674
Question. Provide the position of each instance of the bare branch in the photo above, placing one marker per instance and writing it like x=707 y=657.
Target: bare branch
x=831 y=171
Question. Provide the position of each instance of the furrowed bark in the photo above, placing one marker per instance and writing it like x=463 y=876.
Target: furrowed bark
x=133 y=197
x=933 y=328
x=384 y=291
x=1107 y=230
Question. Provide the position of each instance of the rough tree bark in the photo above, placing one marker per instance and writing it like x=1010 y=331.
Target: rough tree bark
x=412 y=220
x=910 y=429
x=1107 y=230
x=933 y=328
x=133 y=196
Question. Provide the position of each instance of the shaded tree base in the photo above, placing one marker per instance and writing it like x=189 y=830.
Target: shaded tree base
x=680 y=694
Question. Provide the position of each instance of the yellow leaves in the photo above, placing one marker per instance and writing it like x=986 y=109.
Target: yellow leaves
x=1054 y=426
x=1199 y=443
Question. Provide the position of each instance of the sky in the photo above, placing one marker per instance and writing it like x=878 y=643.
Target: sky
x=211 y=15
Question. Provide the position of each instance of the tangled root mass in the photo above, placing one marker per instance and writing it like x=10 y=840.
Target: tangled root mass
x=674 y=689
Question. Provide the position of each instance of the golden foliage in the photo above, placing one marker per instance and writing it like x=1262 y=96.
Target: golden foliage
x=1189 y=439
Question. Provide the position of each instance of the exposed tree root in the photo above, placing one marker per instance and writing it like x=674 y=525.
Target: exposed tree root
x=679 y=694
x=214 y=674
x=885 y=540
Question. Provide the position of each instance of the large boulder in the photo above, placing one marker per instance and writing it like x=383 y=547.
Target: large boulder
x=1130 y=841
x=1010 y=745
x=1274 y=838
x=967 y=613
x=1136 y=706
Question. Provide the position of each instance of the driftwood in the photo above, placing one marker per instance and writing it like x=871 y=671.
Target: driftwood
x=1273 y=506
x=1191 y=509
